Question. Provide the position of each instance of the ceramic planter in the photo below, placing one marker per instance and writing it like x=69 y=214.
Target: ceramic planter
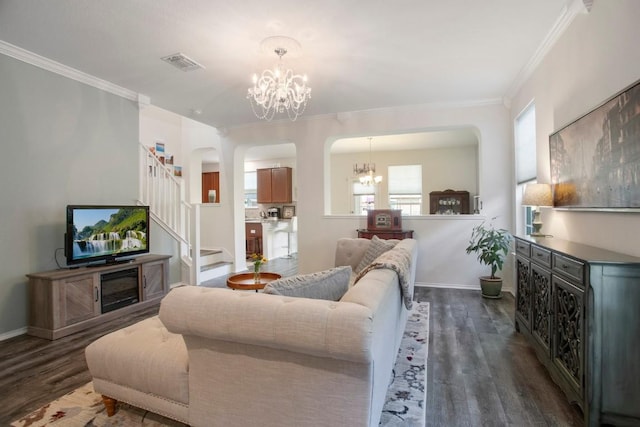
x=491 y=288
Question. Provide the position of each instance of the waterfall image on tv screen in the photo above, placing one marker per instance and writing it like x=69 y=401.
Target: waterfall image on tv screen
x=104 y=232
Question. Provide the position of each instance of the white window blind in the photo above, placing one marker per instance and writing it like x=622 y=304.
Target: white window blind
x=359 y=188
x=525 y=134
x=250 y=181
x=405 y=179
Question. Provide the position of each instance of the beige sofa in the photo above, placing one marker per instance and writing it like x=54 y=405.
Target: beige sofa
x=216 y=357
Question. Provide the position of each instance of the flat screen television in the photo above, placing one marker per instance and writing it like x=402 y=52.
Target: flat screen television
x=105 y=233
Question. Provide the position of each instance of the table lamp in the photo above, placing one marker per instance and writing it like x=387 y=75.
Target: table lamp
x=537 y=195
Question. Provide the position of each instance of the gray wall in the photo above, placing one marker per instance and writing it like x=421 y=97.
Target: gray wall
x=595 y=58
x=63 y=142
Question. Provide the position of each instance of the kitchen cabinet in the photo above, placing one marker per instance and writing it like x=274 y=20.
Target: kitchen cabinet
x=577 y=305
x=210 y=181
x=253 y=238
x=275 y=185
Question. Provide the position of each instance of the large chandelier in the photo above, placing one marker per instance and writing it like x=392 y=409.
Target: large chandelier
x=279 y=90
x=366 y=171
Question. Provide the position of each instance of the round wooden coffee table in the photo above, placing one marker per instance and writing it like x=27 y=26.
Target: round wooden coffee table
x=245 y=282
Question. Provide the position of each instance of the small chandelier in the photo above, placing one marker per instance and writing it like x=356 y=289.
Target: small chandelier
x=366 y=171
x=279 y=90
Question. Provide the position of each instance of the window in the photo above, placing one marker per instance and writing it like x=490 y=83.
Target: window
x=363 y=198
x=528 y=220
x=250 y=189
x=525 y=153
x=525 y=130
x=405 y=188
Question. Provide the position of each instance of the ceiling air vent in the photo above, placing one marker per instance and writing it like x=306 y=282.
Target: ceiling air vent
x=183 y=62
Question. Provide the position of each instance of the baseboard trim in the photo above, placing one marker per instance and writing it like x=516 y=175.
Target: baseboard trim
x=448 y=286
x=14 y=333
x=457 y=286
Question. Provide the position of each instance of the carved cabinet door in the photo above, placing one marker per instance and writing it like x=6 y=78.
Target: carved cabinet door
x=568 y=325
x=541 y=306
x=523 y=292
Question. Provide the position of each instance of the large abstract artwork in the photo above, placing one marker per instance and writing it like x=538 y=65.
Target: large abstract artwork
x=595 y=160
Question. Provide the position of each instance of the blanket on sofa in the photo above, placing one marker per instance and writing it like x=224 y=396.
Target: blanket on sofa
x=398 y=260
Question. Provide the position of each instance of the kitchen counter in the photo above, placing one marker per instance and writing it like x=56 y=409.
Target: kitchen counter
x=275 y=237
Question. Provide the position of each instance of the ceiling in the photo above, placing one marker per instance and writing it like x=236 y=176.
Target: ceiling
x=358 y=55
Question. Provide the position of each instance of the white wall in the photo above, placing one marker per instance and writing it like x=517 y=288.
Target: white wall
x=442 y=240
x=158 y=125
x=453 y=168
x=190 y=139
x=186 y=139
x=594 y=59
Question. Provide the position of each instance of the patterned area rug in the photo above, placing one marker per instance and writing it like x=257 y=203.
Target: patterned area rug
x=405 y=405
x=407 y=395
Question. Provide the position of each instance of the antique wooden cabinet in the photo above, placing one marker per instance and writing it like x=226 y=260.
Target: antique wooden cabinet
x=578 y=306
x=449 y=202
x=388 y=234
x=385 y=224
x=275 y=185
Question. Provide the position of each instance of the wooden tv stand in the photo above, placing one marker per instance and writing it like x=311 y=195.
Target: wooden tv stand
x=65 y=301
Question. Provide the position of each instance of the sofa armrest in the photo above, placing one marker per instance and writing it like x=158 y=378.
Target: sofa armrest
x=339 y=330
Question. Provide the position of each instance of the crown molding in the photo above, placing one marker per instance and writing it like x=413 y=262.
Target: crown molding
x=569 y=12
x=71 y=73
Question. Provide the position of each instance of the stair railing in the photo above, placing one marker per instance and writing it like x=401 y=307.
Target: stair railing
x=165 y=195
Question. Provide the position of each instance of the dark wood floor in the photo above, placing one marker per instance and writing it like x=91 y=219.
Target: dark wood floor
x=284 y=266
x=35 y=371
x=480 y=372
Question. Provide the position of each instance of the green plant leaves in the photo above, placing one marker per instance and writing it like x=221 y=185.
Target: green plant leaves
x=491 y=245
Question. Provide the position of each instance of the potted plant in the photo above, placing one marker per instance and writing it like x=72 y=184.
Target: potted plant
x=492 y=247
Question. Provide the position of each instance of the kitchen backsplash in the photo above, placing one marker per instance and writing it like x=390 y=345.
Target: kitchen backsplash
x=254 y=213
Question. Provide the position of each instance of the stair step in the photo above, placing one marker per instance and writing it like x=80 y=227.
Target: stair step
x=205 y=252
x=211 y=256
x=214 y=265
x=213 y=270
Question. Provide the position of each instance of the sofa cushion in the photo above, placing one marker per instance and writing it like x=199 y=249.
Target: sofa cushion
x=349 y=251
x=329 y=284
x=144 y=357
x=376 y=248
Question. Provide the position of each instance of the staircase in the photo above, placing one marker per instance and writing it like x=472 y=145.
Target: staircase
x=165 y=195
x=213 y=264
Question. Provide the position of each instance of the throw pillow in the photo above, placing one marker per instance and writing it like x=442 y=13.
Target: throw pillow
x=329 y=284
x=376 y=248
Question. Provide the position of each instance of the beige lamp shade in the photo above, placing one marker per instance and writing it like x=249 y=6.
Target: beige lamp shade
x=537 y=195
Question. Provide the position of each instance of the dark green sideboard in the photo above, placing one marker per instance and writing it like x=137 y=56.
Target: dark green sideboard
x=579 y=306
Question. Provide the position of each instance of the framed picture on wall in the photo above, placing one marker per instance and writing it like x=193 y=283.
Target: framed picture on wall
x=595 y=160
x=288 y=212
x=159 y=148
